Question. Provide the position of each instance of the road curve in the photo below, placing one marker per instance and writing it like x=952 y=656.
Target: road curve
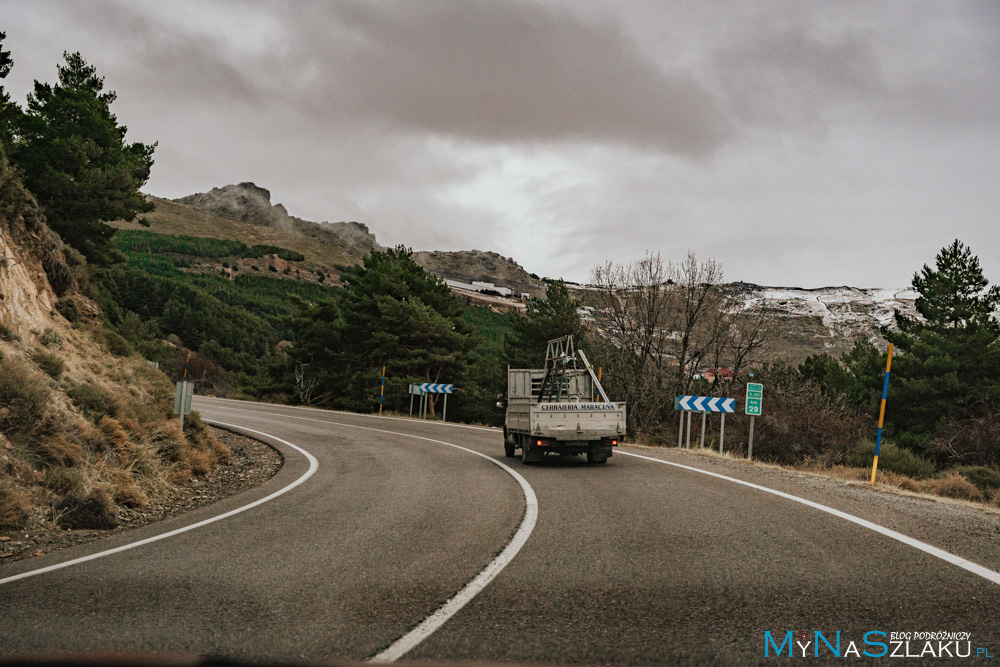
x=633 y=562
x=387 y=529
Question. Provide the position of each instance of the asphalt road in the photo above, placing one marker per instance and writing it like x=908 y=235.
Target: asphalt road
x=632 y=562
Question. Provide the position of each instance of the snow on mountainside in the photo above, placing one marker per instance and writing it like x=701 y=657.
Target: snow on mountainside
x=846 y=312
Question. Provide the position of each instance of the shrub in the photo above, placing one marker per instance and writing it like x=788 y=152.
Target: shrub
x=49 y=362
x=58 y=451
x=24 y=396
x=800 y=422
x=51 y=338
x=93 y=400
x=951 y=485
x=8 y=334
x=985 y=478
x=126 y=492
x=892 y=458
x=972 y=440
x=14 y=505
x=96 y=511
x=67 y=481
x=67 y=308
x=116 y=343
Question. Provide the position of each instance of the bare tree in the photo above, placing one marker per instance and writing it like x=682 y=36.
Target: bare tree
x=305 y=385
x=659 y=323
x=697 y=295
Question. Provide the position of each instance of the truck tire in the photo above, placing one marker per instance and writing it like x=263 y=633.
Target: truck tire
x=594 y=458
x=508 y=446
x=526 y=458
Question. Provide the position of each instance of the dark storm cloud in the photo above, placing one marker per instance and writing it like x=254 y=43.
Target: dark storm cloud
x=796 y=76
x=506 y=71
x=781 y=138
x=486 y=72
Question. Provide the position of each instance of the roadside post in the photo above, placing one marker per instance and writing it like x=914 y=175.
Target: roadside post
x=754 y=404
x=881 y=412
x=704 y=405
x=414 y=390
x=381 y=395
x=427 y=388
x=183 y=394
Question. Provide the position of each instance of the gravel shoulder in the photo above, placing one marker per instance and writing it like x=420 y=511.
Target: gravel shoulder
x=251 y=463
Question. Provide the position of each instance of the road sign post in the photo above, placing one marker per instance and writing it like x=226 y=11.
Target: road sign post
x=704 y=405
x=722 y=431
x=754 y=406
x=426 y=388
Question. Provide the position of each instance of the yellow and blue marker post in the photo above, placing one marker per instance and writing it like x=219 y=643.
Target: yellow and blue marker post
x=381 y=395
x=881 y=412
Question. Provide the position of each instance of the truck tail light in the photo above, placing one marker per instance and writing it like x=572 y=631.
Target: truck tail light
x=540 y=443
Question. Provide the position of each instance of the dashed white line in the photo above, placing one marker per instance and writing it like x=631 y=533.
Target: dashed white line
x=313 y=466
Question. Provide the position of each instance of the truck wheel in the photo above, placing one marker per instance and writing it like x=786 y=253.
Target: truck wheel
x=509 y=449
x=592 y=458
x=525 y=456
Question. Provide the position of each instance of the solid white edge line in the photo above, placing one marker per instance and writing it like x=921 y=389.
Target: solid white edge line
x=967 y=565
x=426 y=628
x=410 y=420
x=313 y=466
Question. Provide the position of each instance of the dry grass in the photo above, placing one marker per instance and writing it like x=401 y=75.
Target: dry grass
x=950 y=485
x=953 y=486
x=15 y=507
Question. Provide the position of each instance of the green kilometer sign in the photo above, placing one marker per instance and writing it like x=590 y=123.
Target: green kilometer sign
x=755 y=396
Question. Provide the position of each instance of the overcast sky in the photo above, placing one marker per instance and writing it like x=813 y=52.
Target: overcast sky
x=798 y=143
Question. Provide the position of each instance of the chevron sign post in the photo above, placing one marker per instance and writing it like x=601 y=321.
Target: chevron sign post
x=704 y=405
x=425 y=388
x=434 y=388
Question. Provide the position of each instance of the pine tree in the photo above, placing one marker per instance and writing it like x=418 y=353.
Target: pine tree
x=392 y=313
x=552 y=317
x=76 y=161
x=9 y=112
x=950 y=355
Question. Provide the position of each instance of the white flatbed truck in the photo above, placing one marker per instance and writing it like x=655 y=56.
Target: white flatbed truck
x=561 y=409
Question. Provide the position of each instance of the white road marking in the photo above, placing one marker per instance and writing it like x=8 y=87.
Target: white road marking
x=975 y=568
x=313 y=466
x=426 y=628
x=968 y=565
x=411 y=420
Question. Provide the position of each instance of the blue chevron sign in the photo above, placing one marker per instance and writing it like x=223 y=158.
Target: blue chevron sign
x=704 y=404
x=435 y=388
